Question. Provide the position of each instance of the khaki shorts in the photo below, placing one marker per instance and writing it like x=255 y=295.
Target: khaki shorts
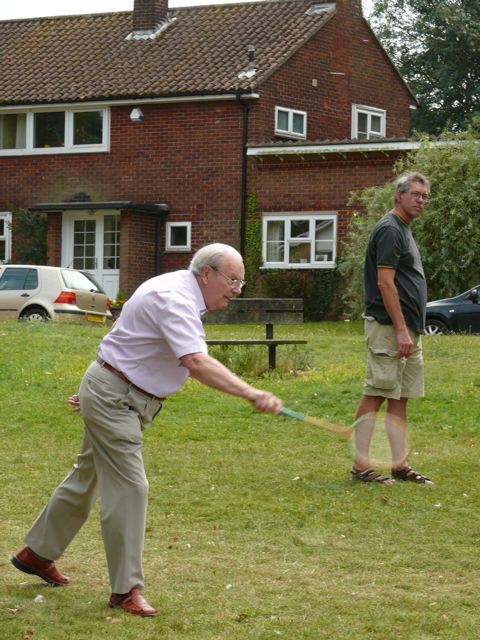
x=388 y=376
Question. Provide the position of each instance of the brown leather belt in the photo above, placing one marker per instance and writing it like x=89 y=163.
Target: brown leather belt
x=123 y=377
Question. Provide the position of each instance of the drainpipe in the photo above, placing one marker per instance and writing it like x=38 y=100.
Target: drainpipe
x=244 y=195
x=158 y=266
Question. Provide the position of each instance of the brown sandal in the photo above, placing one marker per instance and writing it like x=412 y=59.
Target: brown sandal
x=369 y=475
x=408 y=474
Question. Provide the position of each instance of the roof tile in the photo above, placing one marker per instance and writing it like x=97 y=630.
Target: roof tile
x=87 y=57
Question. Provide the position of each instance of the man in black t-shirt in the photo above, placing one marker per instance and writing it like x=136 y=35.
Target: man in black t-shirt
x=395 y=301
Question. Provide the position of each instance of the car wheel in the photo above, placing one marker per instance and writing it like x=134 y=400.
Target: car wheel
x=435 y=328
x=35 y=314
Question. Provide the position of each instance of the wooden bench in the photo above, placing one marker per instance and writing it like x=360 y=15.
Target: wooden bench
x=256 y=311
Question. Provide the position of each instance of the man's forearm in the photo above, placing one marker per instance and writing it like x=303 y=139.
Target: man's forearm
x=213 y=373
x=391 y=300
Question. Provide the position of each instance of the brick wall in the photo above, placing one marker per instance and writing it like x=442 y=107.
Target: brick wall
x=188 y=156
x=315 y=183
x=345 y=45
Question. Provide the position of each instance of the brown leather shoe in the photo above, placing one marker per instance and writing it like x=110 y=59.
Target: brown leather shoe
x=28 y=562
x=132 y=602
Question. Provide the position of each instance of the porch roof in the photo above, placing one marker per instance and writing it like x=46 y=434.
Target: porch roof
x=158 y=209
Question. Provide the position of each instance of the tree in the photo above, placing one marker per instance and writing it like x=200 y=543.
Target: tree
x=30 y=234
x=435 y=45
x=448 y=232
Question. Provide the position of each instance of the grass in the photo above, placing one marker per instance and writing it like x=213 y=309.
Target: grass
x=255 y=530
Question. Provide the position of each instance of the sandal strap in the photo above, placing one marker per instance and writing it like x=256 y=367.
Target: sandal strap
x=368 y=475
x=407 y=473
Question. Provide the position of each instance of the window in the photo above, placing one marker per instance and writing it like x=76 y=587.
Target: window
x=290 y=123
x=84 y=236
x=81 y=281
x=54 y=131
x=179 y=236
x=111 y=242
x=299 y=240
x=368 y=122
x=5 y=237
x=18 y=278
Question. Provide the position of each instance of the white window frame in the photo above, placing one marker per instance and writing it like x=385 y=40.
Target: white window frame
x=69 y=146
x=369 y=112
x=168 y=236
x=6 y=216
x=287 y=217
x=289 y=133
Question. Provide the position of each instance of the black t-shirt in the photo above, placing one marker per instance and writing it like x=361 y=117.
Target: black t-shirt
x=391 y=246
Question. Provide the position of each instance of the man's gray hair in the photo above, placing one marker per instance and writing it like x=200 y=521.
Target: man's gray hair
x=405 y=182
x=211 y=255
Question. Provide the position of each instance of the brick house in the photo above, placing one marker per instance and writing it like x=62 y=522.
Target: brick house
x=141 y=134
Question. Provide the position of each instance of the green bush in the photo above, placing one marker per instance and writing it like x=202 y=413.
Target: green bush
x=317 y=287
x=30 y=237
x=448 y=232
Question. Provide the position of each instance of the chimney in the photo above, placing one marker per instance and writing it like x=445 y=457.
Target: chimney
x=149 y=14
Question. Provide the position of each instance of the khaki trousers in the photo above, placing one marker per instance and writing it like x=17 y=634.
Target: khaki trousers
x=110 y=465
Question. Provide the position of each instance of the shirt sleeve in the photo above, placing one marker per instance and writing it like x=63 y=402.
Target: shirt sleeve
x=388 y=248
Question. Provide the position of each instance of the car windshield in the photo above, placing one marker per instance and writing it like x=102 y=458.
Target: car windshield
x=80 y=280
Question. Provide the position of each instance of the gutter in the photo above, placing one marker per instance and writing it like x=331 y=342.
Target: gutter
x=244 y=195
x=132 y=101
x=350 y=147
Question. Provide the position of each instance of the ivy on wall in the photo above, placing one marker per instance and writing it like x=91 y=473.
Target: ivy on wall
x=253 y=248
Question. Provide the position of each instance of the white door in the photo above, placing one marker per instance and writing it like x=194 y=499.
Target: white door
x=91 y=242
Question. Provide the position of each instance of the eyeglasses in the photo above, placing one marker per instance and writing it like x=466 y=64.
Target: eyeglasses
x=235 y=283
x=418 y=195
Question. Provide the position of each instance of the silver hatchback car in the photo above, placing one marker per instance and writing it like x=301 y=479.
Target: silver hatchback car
x=32 y=292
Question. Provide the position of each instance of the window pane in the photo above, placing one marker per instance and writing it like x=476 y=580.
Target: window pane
x=275 y=246
x=275 y=230
x=84 y=244
x=13 y=131
x=282 y=120
x=3 y=254
x=77 y=280
x=49 y=129
x=376 y=124
x=299 y=253
x=111 y=242
x=362 y=125
x=2 y=227
x=18 y=278
x=87 y=127
x=298 y=123
x=275 y=252
x=31 y=281
x=324 y=240
x=178 y=236
x=324 y=230
x=299 y=228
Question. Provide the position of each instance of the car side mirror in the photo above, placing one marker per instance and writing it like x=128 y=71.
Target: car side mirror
x=473 y=296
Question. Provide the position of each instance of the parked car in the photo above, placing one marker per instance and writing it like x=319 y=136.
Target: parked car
x=32 y=292
x=460 y=314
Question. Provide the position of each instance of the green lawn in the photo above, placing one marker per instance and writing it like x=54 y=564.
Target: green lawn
x=255 y=530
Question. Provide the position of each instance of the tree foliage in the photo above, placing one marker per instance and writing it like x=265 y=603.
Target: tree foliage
x=30 y=234
x=436 y=47
x=448 y=232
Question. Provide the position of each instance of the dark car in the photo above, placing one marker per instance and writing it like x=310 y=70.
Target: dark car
x=460 y=314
